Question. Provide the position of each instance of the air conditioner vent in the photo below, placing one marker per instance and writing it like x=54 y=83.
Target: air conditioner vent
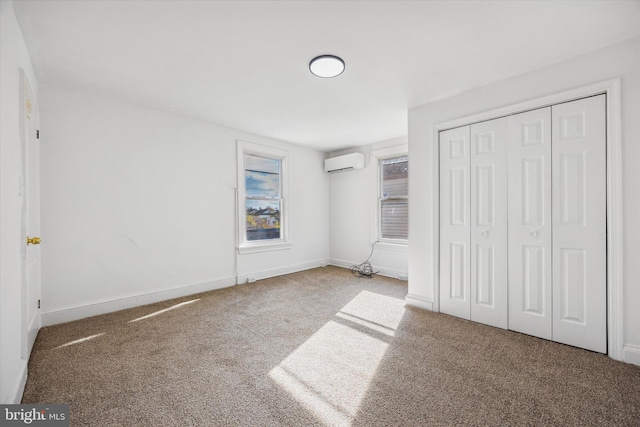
x=344 y=163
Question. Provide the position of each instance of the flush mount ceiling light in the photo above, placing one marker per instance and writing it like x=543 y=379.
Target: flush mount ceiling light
x=326 y=66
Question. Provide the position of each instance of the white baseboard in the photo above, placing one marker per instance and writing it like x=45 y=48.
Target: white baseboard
x=34 y=327
x=418 y=301
x=94 y=308
x=387 y=272
x=14 y=396
x=631 y=354
x=259 y=275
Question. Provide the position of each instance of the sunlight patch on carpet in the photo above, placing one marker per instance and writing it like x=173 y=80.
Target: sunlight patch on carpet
x=155 y=313
x=80 y=340
x=331 y=372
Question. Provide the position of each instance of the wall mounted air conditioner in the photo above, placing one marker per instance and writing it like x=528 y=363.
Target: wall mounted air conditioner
x=344 y=163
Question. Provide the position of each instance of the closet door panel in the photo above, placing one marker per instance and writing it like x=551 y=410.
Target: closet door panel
x=579 y=221
x=530 y=227
x=489 y=222
x=454 y=222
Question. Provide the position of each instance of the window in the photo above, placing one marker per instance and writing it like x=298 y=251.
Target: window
x=263 y=199
x=261 y=202
x=394 y=198
x=392 y=190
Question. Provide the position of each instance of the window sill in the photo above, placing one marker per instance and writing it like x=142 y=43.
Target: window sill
x=263 y=247
x=398 y=247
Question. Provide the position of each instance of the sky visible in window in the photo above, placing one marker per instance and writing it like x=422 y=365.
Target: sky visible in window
x=262 y=176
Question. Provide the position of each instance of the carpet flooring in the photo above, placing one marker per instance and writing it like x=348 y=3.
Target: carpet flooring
x=319 y=347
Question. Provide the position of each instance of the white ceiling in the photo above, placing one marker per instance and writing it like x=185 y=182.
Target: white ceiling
x=243 y=64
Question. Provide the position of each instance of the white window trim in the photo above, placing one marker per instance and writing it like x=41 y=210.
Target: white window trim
x=376 y=232
x=283 y=242
x=397 y=247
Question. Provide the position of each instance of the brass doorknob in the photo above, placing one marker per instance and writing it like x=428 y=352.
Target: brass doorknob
x=33 y=240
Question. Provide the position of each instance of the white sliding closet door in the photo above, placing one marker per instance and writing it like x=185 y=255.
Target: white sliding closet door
x=530 y=231
x=579 y=223
x=455 y=216
x=523 y=223
x=489 y=222
x=473 y=218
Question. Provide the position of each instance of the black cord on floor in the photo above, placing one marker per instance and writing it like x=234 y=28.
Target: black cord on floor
x=365 y=269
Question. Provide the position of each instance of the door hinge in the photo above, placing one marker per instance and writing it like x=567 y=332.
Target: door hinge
x=38 y=303
x=38 y=134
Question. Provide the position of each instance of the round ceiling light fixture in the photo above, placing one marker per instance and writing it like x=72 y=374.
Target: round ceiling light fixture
x=326 y=66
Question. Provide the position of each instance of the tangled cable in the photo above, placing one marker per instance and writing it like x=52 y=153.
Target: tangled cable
x=365 y=269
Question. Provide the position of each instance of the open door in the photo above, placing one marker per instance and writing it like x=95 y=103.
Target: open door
x=30 y=193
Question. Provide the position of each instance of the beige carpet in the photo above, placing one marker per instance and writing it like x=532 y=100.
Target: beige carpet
x=319 y=348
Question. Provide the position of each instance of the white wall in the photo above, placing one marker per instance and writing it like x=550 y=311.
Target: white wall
x=139 y=205
x=352 y=198
x=13 y=57
x=621 y=60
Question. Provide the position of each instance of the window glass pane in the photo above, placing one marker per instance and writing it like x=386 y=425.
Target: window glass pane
x=262 y=176
x=261 y=164
x=395 y=177
x=261 y=184
x=263 y=219
x=395 y=219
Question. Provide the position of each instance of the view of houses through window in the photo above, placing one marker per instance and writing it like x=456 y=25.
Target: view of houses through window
x=263 y=197
x=394 y=198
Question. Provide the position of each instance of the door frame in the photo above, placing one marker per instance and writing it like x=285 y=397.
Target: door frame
x=615 y=300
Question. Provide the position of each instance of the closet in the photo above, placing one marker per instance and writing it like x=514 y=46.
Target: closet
x=523 y=222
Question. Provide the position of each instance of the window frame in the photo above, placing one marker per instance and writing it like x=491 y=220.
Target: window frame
x=376 y=208
x=250 y=246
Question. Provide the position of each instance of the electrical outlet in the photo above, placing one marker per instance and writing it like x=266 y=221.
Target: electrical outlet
x=251 y=279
